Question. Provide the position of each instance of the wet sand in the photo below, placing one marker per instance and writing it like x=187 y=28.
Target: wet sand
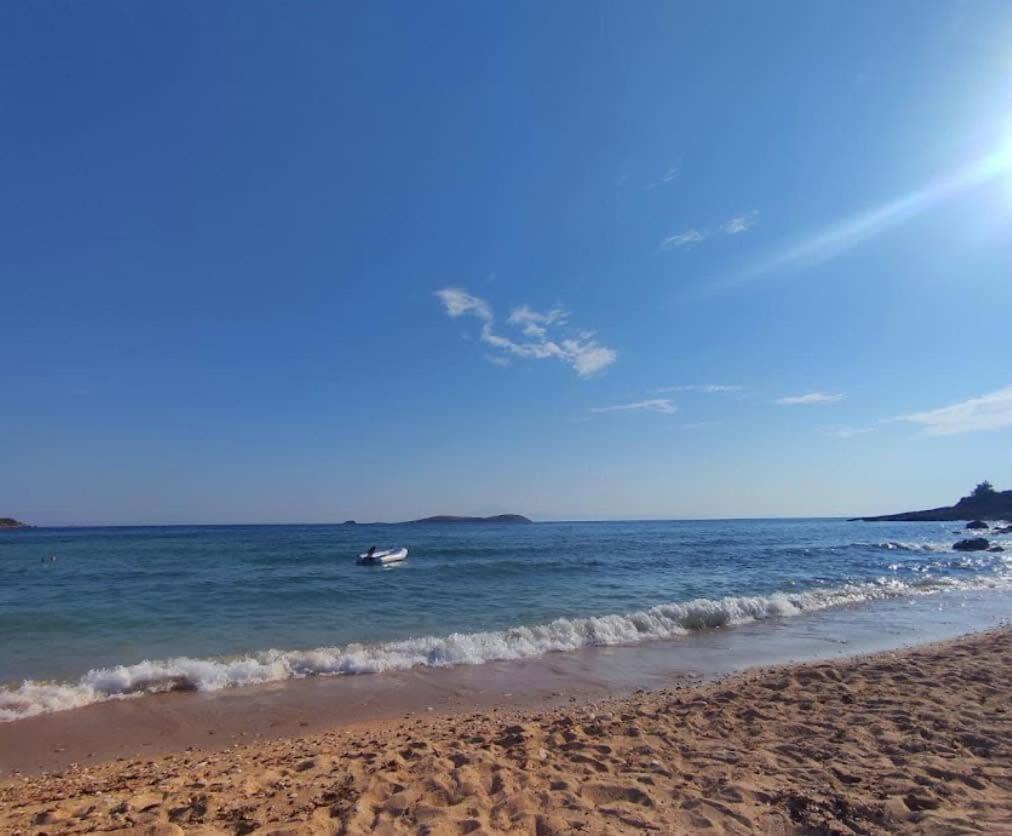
x=159 y=724
x=918 y=740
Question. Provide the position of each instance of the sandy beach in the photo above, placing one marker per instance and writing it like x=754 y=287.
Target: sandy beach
x=918 y=741
x=517 y=418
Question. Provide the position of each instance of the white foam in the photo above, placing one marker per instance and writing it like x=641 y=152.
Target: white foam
x=894 y=545
x=667 y=621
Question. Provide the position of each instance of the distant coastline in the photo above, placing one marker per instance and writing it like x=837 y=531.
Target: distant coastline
x=10 y=522
x=508 y=519
x=512 y=519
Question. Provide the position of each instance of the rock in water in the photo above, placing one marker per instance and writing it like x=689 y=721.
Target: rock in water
x=974 y=544
x=977 y=524
x=996 y=549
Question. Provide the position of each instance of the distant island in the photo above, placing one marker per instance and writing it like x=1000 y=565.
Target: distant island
x=984 y=503
x=500 y=518
x=10 y=522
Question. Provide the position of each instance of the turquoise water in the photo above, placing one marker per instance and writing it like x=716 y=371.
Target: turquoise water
x=122 y=610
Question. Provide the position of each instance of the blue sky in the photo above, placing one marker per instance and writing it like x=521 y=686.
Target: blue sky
x=309 y=262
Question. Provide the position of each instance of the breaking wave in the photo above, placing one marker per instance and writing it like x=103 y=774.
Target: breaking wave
x=896 y=546
x=666 y=621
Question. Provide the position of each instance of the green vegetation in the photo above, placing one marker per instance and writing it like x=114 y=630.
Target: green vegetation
x=983 y=491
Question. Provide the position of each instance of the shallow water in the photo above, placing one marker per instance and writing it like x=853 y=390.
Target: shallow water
x=128 y=609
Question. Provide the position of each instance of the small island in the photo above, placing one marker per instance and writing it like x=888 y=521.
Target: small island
x=10 y=522
x=500 y=518
x=984 y=503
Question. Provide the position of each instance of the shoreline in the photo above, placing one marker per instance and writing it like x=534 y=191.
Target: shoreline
x=48 y=694
x=157 y=724
x=900 y=740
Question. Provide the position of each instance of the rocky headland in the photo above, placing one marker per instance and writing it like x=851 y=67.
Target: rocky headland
x=985 y=503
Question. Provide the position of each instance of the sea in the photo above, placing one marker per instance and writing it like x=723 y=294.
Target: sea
x=92 y=614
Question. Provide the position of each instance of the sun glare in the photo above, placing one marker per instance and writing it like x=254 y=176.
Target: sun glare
x=1000 y=162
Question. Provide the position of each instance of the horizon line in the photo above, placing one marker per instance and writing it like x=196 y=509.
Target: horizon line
x=352 y=523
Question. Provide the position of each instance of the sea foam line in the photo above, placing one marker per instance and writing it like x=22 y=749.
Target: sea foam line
x=666 y=621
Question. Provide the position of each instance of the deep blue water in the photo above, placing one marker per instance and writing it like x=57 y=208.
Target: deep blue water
x=204 y=595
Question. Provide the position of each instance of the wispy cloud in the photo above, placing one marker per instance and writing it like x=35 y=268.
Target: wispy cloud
x=809 y=398
x=458 y=302
x=669 y=176
x=684 y=239
x=662 y=405
x=696 y=235
x=849 y=432
x=740 y=223
x=535 y=324
x=581 y=351
x=708 y=388
x=988 y=412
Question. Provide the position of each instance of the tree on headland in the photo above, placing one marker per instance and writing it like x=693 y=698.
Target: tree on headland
x=983 y=490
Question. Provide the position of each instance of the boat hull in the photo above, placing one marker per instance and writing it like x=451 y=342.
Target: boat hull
x=383 y=558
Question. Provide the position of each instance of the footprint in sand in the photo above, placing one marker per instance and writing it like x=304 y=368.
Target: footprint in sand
x=610 y=793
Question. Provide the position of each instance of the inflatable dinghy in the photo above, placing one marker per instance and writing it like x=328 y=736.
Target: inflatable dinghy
x=380 y=558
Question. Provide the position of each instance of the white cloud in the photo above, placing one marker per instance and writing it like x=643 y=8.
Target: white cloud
x=696 y=235
x=708 y=388
x=684 y=239
x=535 y=324
x=498 y=360
x=988 y=412
x=662 y=405
x=740 y=223
x=809 y=398
x=849 y=432
x=669 y=176
x=587 y=357
x=459 y=302
x=581 y=352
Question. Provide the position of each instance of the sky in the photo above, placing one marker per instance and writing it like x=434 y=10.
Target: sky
x=302 y=262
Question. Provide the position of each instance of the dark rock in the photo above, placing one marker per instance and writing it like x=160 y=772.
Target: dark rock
x=975 y=544
x=1003 y=529
x=977 y=524
x=996 y=549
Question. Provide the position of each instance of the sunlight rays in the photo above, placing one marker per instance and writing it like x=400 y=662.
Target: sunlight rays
x=840 y=237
